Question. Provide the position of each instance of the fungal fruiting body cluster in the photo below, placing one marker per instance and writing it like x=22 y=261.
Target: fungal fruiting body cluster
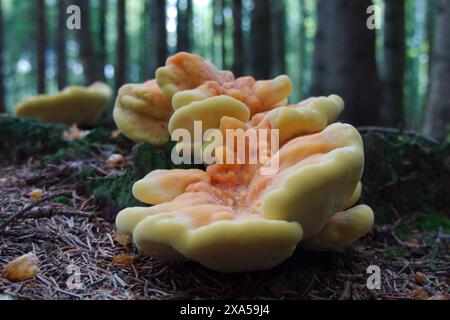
x=232 y=217
x=73 y=105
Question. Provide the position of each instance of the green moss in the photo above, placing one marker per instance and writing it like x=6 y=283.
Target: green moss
x=432 y=222
x=97 y=140
x=63 y=200
x=404 y=174
x=395 y=252
x=116 y=189
x=25 y=138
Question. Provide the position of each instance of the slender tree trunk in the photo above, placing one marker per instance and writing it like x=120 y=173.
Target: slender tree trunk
x=41 y=46
x=121 y=44
x=216 y=45
x=238 y=40
x=184 y=25
x=344 y=59
x=159 y=34
x=61 y=51
x=87 y=51
x=261 y=40
x=101 y=60
x=302 y=50
x=145 y=43
x=431 y=27
x=394 y=61
x=223 y=30
x=2 y=82
x=279 y=32
x=437 y=117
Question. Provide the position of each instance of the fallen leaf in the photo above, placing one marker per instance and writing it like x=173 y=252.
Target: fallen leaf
x=123 y=260
x=36 y=194
x=419 y=294
x=420 y=278
x=74 y=133
x=21 y=269
x=123 y=239
x=116 y=161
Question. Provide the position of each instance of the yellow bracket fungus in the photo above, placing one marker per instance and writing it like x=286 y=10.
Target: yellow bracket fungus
x=142 y=111
x=233 y=217
x=187 y=78
x=74 y=105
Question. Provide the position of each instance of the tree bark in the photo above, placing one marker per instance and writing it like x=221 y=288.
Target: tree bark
x=223 y=29
x=261 y=40
x=394 y=61
x=121 y=44
x=437 y=118
x=158 y=34
x=145 y=43
x=61 y=49
x=184 y=25
x=87 y=51
x=2 y=82
x=279 y=34
x=102 y=51
x=344 y=59
x=302 y=51
x=238 y=40
x=41 y=46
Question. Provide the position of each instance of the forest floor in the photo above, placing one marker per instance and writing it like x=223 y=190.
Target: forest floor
x=66 y=227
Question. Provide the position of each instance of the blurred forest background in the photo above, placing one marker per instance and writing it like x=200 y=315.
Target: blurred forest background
x=397 y=75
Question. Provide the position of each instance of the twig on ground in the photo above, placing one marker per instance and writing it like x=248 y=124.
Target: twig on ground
x=7 y=221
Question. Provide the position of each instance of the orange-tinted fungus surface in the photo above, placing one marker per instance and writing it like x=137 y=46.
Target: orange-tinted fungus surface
x=187 y=78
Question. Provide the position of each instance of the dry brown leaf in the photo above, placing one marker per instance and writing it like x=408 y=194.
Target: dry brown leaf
x=420 y=278
x=123 y=239
x=36 y=194
x=116 y=161
x=419 y=294
x=123 y=260
x=74 y=133
x=21 y=269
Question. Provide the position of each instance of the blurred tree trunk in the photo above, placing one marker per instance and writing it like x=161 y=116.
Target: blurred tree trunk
x=261 y=55
x=279 y=34
x=344 y=59
x=238 y=40
x=158 y=34
x=61 y=50
x=121 y=44
x=394 y=61
x=2 y=82
x=87 y=51
x=184 y=27
x=437 y=117
x=223 y=29
x=102 y=51
x=41 y=46
x=146 y=63
x=302 y=51
x=431 y=27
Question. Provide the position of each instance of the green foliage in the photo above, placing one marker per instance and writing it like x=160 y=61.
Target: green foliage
x=25 y=138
